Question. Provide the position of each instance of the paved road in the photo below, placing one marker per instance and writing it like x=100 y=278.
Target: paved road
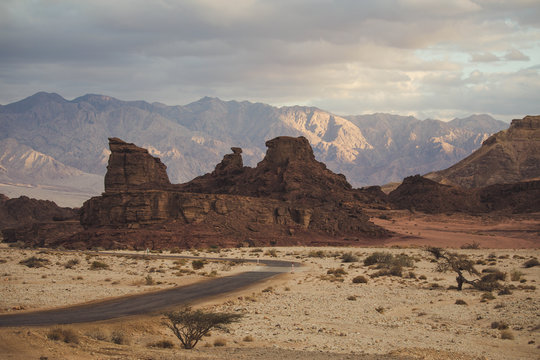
x=147 y=303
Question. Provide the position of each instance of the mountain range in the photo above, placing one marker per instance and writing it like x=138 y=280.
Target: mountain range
x=60 y=146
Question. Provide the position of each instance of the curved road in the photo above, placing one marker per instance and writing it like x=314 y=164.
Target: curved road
x=150 y=302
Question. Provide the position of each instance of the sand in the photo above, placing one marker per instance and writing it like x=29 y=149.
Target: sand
x=308 y=314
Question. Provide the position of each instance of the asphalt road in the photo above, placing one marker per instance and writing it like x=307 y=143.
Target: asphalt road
x=147 y=303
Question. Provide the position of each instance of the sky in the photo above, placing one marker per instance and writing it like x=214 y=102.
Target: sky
x=426 y=58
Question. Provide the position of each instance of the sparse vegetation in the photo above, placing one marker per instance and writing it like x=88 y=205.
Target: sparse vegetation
x=248 y=338
x=66 y=335
x=98 y=265
x=70 y=264
x=190 y=326
x=349 y=257
x=515 y=275
x=220 y=342
x=507 y=335
x=197 y=264
x=454 y=262
x=119 y=337
x=360 y=279
x=460 y=302
x=35 y=262
x=163 y=344
x=271 y=252
x=473 y=245
x=531 y=263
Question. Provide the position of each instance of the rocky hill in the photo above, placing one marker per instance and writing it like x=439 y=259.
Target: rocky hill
x=509 y=156
x=24 y=211
x=368 y=149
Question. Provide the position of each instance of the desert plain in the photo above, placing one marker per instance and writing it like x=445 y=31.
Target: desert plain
x=332 y=307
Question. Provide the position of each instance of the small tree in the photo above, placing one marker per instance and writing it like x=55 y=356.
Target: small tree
x=454 y=262
x=190 y=326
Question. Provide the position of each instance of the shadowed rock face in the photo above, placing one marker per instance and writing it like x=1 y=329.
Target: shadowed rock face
x=131 y=167
x=289 y=198
x=509 y=156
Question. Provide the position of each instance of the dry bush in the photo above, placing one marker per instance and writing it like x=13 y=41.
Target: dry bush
x=97 y=334
x=378 y=258
x=71 y=263
x=515 y=275
x=487 y=296
x=99 y=265
x=379 y=309
x=338 y=272
x=163 y=344
x=460 y=302
x=248 y=338
x=499 y=325
x=271 y=252
x=531 y=263
x=473 y=245
x=66 y=335
x=360 y=279
x=149 y=280
x=349 y=257
x=507 y=335
x=317 y=254
x=220 y=342
x=119 y=337
x=35 y=262
x=198 y=264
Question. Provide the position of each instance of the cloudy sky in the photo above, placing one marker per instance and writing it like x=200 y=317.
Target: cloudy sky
x=428 y=58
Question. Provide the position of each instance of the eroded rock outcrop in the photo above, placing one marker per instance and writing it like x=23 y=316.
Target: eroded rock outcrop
x=509 y=156
x=132 y=167
x=289 y=198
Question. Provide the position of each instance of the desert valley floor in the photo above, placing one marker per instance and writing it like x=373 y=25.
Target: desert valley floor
x=314 y=312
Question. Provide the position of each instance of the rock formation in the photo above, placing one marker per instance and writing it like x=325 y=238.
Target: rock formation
x=509 y=156
x=289 y=198
x=23 y=211
x=425 y=195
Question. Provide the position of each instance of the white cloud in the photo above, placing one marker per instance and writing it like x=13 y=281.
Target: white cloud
x=347 y=56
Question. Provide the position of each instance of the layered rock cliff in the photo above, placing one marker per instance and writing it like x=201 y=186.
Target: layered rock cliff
x=509 y=156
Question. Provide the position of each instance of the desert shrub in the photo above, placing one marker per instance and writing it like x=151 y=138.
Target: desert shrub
x=360 y=279
x=515 y=275
x=71 y=263
x=351 y=297
x=248 y=338
x=395 y=270
x=349 y=257
x=487 y=296
x=197 y=264
x=35 y=262
x=336 y=272
x=507 y=335
x=317 y=254
x=473 y=245
x=149 y=280
x=500 y=325
x=460 y=302
x=190 y=326
x=531 y=263
x=493 y=274
x=403 y=260
x=422 y=277
x=220 y=342
x=66 y=335
x=379 y=309
x=450 y=261
x=97 y=334
x=163 y=344
x=98 y=265
x=505 y=291
x=271 y=252
x=378 y=258
x=119 y=337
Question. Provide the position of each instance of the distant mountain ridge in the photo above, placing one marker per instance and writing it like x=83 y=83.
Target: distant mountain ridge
x=190 y=139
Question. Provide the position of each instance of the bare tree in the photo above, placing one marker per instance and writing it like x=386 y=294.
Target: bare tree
x=457 y=263
x=190 y=326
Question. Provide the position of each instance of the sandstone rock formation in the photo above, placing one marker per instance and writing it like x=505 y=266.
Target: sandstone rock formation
x=23 y=211
x=425 y=195
x=508 y=156
x=289 y=198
